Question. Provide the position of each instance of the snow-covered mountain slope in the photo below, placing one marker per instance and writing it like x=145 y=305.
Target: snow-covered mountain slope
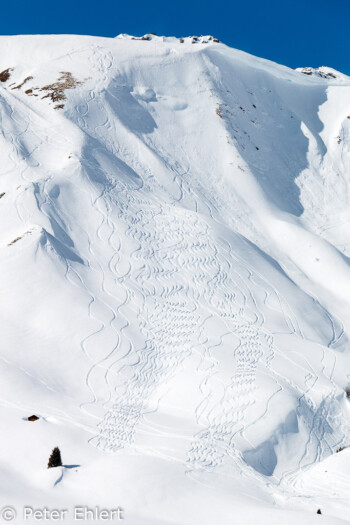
x=175 y=280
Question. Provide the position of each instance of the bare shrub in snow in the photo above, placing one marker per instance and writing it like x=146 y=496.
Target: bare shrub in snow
x=56 y=91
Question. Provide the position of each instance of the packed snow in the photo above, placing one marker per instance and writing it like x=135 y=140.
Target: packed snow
x=175 y=282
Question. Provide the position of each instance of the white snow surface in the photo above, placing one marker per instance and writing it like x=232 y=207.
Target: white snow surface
x=175 y=282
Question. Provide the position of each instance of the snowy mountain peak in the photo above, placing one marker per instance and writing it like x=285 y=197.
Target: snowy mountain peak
x=175 y=279
x=208 y=39
x=324 y=72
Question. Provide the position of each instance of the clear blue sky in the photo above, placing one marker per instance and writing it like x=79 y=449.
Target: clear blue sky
x=291 y=32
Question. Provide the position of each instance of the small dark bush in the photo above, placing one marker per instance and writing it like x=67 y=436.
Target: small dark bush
x=55 y=459
x=14 y=241
x=5 y=75
x=340 y=449
x=319 y=511
x=347 y=392
x=22 y=83
x=33 y=418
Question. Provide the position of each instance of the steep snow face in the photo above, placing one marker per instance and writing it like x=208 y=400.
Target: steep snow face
x=175 y=278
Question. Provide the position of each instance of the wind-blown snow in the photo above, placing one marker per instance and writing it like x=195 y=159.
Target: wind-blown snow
x=175 y=280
